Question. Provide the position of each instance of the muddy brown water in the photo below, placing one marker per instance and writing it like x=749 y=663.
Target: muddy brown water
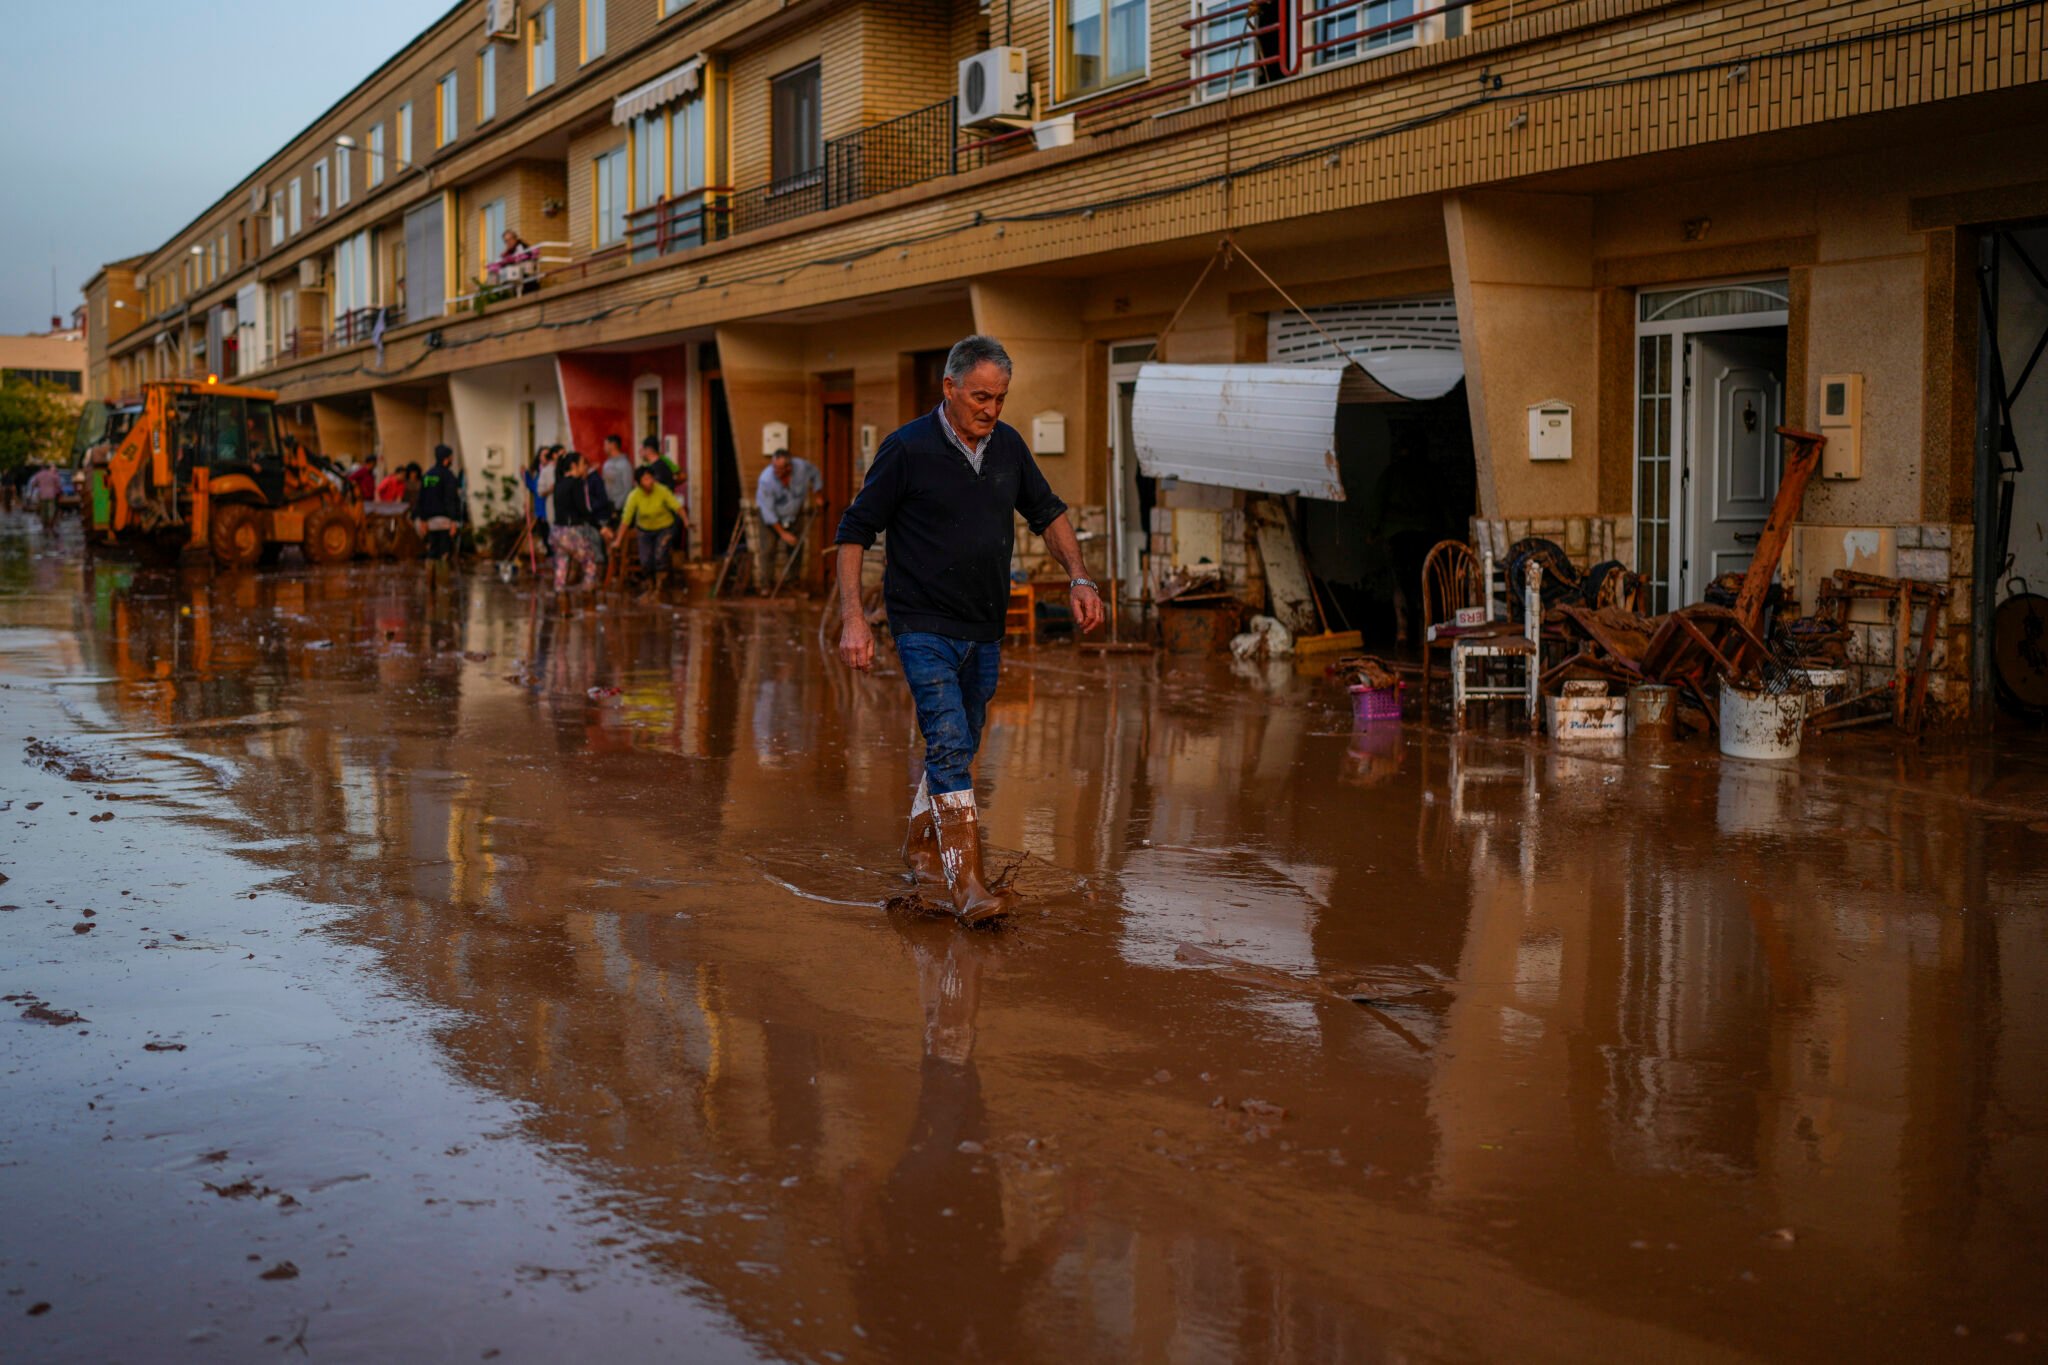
x=439 y=1002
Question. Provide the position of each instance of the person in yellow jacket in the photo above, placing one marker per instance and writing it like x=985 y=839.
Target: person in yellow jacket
x=653 y=514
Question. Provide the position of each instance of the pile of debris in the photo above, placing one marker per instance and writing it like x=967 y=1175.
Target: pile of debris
x=1746 y=637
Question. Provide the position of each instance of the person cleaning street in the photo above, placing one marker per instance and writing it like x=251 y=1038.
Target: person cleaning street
x=946 y=488
x=654 y=514
x=439 y=510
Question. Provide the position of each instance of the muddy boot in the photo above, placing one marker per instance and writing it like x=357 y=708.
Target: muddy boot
x=960 y=854
x=921 y=840
x=921 y=850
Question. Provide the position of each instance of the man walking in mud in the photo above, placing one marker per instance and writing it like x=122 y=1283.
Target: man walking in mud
x=945 y=489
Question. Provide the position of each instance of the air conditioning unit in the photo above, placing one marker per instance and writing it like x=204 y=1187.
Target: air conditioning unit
x=994 y=88
x=312 y=272
x=501 y=18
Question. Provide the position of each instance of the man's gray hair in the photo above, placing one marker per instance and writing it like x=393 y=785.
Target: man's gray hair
x=969 y=352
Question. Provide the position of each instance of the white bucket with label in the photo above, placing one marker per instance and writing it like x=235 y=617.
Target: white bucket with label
x=1761 y=725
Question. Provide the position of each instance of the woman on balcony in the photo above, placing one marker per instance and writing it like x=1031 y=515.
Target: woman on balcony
x=517 y=266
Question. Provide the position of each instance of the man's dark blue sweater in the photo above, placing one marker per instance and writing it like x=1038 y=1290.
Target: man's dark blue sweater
x=950 y=529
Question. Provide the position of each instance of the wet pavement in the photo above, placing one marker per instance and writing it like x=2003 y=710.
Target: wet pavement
x=437 y=1001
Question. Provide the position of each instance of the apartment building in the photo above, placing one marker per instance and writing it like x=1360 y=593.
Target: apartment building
x=1590 y=252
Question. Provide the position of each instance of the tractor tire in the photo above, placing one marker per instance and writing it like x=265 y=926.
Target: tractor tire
x=236 y=535
x=330 y=535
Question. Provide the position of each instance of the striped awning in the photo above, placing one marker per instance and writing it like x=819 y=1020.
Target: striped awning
x=678 y=84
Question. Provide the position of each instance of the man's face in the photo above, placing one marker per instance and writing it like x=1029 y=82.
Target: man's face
x=646 y=480
x=611 y=447
x=783 y=464
x=974 y=404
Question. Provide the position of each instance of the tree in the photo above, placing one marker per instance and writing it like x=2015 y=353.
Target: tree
x=36 y=422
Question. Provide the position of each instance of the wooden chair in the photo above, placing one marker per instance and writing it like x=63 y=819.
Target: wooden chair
x=1450 y=580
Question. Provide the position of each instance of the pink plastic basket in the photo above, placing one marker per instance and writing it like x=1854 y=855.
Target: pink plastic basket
x=1375 y=704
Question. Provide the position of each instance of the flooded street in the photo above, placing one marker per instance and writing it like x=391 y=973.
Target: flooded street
x=458 y=981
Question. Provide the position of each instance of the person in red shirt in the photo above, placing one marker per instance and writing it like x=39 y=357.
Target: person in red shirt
x=391 y=488
x=364 y=477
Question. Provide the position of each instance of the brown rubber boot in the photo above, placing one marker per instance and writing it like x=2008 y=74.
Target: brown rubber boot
x=921 y=849
x=960 y=852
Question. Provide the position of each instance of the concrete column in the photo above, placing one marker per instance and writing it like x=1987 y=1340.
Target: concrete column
x=1528 y=317
x=765 y=381
x=401 y=419
x=1039 y=321
x=344 y=432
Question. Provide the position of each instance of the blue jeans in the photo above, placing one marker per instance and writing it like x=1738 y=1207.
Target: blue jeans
x=951 y=682
x=655 y=547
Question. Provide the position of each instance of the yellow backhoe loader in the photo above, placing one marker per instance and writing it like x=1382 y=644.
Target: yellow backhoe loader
x=200 y=471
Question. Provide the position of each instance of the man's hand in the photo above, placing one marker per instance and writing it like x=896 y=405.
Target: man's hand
x=1087 y=604
x=788 y=537
x=856 y=641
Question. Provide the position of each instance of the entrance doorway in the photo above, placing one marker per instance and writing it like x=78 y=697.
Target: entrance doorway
x=2010 y=569
x=1710 y=395
x=727 y=491
x=835 y=464
x=1131 y=493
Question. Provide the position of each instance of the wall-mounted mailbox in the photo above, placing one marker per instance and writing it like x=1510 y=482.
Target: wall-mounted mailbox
x=774 y=437
x=1049 y=433
x=1841 y=421
x=1550 y=430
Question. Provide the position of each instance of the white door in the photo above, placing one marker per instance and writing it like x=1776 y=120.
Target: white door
x=1737 y=391
x=1126 y=506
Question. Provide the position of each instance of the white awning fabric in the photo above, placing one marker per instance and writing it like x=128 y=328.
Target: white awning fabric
x=1409 y=348
x=678 y=84
x=1263 y=428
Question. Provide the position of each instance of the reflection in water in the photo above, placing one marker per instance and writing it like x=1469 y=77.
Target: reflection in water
x=1663 y=1009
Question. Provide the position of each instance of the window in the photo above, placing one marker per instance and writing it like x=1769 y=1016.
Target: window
x=669 y=7
x=1101 y=43
x=1329 y=33
x=344 y=172
x=445 y=126
x=276 y=218
x=374 y=171
x=650 y=159
x=540 y=49
x=490 y=223
x=686 y=148
x=291 y=206
x=487 y=84
x=1221 y=63
x=320 y=188
x=593 y=29
x=212 y=262
x=610 y=174
x=797 y=122
x=402 y=154
x=226 y=262
x=353 y=289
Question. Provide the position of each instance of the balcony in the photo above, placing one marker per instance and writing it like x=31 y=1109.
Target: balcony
x=906 y=150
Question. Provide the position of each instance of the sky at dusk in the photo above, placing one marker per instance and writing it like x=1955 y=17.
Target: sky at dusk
x=120 y=120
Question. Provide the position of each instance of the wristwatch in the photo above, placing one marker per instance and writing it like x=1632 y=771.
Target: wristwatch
x=1087 y=583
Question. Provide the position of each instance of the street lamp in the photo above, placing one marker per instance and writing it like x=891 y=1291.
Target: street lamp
x=347 y=141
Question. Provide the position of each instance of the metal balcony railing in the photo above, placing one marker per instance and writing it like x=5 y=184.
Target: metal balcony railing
x=678 y=224
x=909 y=149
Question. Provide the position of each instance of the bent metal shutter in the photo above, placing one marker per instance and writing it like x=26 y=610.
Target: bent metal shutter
x=1262 y=428
x=1407 y=348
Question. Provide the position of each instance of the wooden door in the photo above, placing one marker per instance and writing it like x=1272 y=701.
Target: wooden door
x=835 y=463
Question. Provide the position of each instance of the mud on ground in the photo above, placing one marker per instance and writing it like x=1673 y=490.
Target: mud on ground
x=408 y=977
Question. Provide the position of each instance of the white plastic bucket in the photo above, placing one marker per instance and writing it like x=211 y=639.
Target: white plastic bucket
x=1761 y=725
